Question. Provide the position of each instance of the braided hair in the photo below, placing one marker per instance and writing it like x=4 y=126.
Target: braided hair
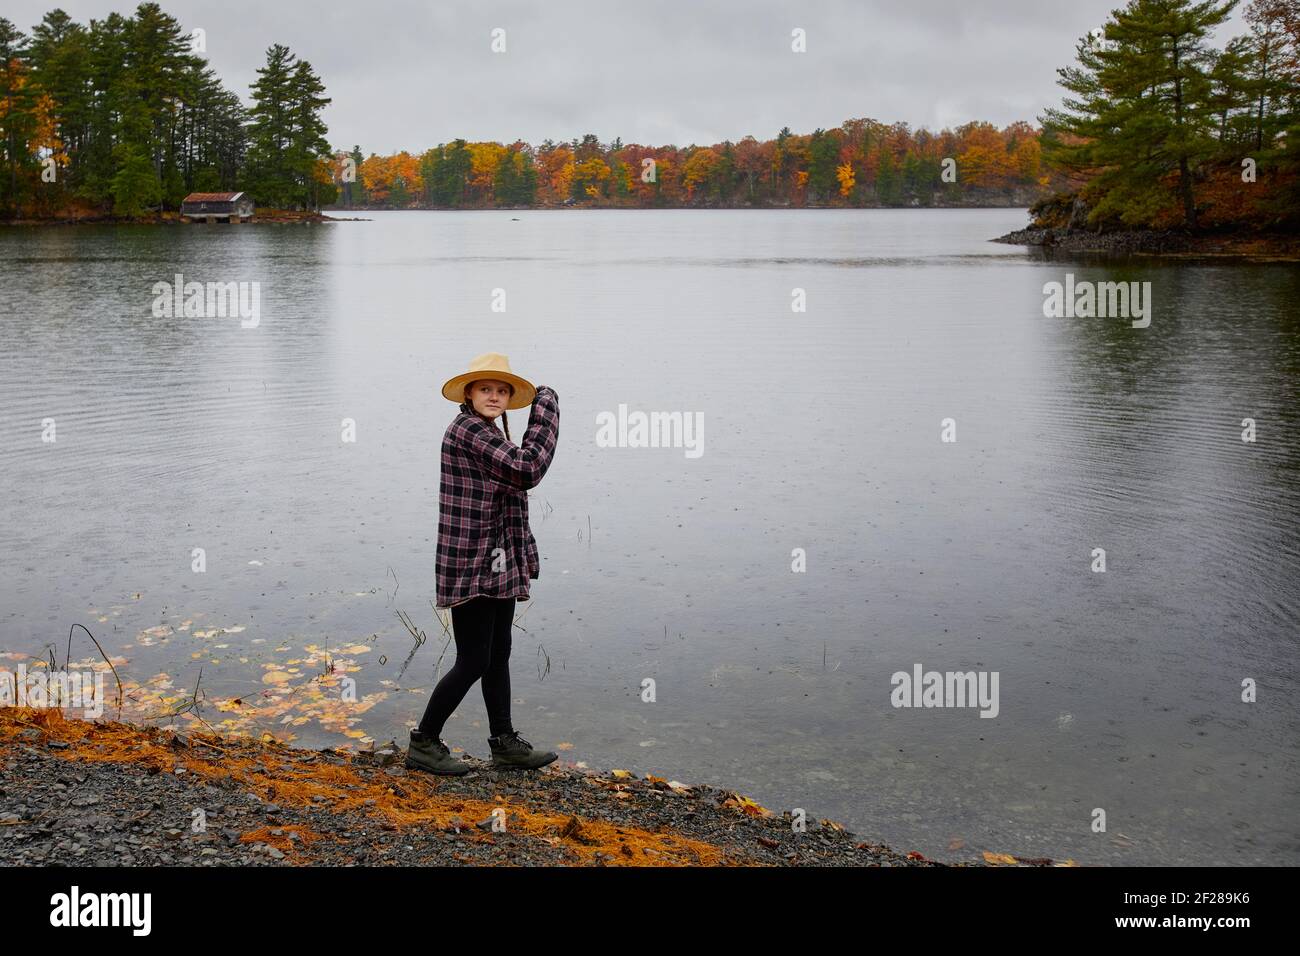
x=468 y=406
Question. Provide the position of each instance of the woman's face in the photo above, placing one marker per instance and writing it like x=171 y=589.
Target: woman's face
x=489 y=397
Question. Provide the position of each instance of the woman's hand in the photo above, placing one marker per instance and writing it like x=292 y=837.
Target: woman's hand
x=551 y=405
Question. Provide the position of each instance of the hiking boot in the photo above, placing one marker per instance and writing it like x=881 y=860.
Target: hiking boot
x=432 y=755
x=512 y=752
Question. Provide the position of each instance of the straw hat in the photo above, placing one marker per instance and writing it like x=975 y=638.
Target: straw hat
x=492 y=365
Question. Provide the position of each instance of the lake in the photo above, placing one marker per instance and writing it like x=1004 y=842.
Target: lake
x=822 y=448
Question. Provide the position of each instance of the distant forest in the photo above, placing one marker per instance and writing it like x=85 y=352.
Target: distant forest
x=1158 y=129
x=862 y=162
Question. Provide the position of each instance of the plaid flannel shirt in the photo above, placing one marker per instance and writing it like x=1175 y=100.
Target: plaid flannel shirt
x=483 y=503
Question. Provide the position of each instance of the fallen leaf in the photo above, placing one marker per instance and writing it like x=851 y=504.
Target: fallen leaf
x=745 y=805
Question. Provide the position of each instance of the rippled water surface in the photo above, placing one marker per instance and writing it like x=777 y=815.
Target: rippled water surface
x=1118 y=690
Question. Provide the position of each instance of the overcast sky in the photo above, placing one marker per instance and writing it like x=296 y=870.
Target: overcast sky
x=409 y=75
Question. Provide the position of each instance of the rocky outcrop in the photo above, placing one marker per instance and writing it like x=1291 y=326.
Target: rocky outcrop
x=1159 y=242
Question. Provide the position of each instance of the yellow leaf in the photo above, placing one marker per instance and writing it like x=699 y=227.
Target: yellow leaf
x=999 y=859
x=276 y=677
x=355 y=649
x=620 y=774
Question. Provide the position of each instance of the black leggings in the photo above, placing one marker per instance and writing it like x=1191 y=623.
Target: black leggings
x=481 y=627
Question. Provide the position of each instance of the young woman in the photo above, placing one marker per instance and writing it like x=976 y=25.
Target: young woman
x=486 y=552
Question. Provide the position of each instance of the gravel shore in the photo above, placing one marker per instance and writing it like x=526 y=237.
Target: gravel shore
x=74 y=792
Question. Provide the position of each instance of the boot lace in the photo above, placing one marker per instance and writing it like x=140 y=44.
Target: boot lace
x=510 y=738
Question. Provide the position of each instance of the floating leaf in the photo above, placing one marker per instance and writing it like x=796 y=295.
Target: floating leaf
x=1000 y=859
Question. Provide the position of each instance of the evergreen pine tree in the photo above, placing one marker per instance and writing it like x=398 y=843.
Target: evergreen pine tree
x=1141 y=109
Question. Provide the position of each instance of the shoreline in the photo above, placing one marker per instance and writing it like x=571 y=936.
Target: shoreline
x=115 y=794
x=266 y=217
x=1259 y=247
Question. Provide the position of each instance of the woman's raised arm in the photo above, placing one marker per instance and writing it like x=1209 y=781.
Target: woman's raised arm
x=522 y=466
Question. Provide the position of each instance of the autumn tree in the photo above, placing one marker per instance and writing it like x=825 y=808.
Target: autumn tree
x=17 y=109
x=588 y=178
x=484 y=162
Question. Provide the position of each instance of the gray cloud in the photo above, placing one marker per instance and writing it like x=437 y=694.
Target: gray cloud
x=408 y=75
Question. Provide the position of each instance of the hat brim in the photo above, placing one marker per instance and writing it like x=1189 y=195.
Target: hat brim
x=525 y=391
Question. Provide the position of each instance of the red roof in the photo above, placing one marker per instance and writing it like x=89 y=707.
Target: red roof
x=212 y=197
